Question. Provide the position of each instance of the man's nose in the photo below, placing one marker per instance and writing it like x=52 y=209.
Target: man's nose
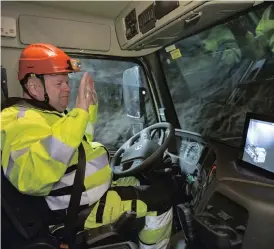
x=66 y=88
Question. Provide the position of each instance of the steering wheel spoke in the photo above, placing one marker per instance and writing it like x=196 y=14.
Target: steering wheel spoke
x=145 y=135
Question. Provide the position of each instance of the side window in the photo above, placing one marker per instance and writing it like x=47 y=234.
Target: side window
x=125 y=106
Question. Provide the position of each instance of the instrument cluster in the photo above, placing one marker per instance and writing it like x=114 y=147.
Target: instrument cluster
x=190 y=152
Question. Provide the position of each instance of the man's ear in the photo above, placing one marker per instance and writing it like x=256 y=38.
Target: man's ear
x=32 y=86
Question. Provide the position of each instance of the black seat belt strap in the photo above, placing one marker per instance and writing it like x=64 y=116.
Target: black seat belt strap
x=75 y=199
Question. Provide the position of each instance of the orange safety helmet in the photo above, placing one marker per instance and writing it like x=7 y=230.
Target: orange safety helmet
x=41 y=58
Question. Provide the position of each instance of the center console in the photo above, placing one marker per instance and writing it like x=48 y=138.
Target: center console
x=221 y=224
x=236 y=206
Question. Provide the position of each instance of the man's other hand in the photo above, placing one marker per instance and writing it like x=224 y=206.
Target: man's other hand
x=86 y=94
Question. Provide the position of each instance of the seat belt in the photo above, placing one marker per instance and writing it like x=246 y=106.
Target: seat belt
x=4 y=82
x=4 y=87
x=75 y=199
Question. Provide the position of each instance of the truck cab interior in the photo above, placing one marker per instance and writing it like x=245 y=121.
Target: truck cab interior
x=185 y=90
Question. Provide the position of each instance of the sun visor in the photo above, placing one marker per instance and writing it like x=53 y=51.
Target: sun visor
x=64 y=33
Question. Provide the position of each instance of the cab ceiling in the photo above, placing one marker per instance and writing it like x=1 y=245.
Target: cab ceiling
x=106 y=9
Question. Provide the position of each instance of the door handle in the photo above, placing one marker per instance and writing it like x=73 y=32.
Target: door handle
x=194 y=17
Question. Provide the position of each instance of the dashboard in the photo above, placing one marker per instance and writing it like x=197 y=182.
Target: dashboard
x=231 y=206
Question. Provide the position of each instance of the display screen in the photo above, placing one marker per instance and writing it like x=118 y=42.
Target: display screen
x=259 y=144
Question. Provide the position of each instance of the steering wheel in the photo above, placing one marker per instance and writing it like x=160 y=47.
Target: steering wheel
x=138 y=156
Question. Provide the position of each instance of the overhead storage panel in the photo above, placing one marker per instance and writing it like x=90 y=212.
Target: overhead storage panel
x=64 y=33
x=175 y=21
x=193 y=21
x=149 y=17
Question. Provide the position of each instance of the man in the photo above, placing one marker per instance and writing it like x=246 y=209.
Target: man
x=39 y=148
x=263 y=42
x=221 y=43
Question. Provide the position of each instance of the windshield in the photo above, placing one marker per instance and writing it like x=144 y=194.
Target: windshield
x=218 y=75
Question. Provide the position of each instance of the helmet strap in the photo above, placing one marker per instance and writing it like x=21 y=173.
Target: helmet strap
x=46 y=97
x=26 y=91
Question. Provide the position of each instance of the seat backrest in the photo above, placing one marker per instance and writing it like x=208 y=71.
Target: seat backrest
x=27 y=214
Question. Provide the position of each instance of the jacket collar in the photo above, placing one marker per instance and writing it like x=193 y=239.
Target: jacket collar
x=32 y=103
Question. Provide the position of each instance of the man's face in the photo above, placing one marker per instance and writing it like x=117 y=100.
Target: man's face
x=58 y=90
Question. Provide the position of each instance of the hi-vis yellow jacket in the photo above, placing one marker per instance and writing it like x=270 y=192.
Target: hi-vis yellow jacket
x=39 y=152
x=266 y=27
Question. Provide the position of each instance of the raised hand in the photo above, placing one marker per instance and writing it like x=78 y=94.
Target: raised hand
x=86 y=94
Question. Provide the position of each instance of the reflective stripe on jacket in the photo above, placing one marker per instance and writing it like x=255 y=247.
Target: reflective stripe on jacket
x=39 y=149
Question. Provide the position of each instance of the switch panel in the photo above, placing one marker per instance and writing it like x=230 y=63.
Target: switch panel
x=8 y=26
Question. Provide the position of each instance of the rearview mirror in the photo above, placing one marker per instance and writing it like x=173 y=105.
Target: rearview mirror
x=133 y=93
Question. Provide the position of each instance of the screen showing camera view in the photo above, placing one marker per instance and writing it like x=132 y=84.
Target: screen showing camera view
x=259 y=146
